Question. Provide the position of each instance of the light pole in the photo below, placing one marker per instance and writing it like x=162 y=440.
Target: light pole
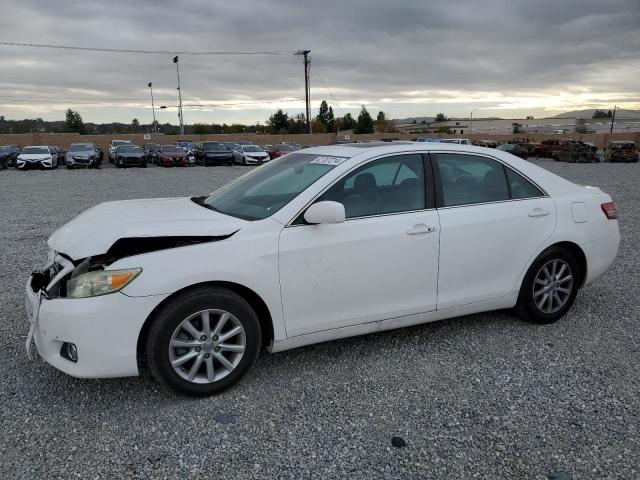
x=175 y=60
x=153 y=108
x=471 y=123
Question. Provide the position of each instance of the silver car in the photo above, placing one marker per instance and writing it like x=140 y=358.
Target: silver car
x=83 y=155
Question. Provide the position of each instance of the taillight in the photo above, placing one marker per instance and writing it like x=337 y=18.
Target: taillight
x=610 y=209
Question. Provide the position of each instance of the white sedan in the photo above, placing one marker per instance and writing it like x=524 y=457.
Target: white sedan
x=324 y=243
x=250 y=154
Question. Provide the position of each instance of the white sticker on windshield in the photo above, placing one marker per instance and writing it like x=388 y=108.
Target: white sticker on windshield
x=329 y=160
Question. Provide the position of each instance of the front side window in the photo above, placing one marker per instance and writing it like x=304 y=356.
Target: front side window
x=468 y=179
x=388 y=185
x=267 y=189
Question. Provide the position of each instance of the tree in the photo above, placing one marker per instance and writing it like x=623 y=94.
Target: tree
x=530 y=117
x=602 y=114
x=298 y=124
x=581 y=126
x=347 y=122
x=382 y=124
x=326 y=117
x=317 y=126
x=74 y=122
x=279 y=122
x=443 y=130
x=202 y=128
x=441 y=117
x=365 y=122
x=135 y=125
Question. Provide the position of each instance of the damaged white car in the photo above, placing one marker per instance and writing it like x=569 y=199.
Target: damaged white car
x=320 y=244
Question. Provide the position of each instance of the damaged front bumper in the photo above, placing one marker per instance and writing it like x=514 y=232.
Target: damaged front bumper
x=104 y=329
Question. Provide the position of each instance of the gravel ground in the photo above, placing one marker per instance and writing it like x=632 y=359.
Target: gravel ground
x=485 y=396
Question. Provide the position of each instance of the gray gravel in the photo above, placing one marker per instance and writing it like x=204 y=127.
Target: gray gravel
x=485 y=396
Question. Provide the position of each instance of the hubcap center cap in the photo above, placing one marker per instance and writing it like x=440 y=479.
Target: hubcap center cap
x=208 y=346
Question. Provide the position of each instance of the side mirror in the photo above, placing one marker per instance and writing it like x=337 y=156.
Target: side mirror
x=325 y=212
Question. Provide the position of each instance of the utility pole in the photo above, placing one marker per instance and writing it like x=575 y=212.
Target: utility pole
x=307 y=91
x=175 y=60
x=471 y=123
x=613 y=117
x=153 y=108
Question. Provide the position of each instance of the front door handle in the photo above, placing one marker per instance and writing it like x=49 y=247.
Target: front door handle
x=539 y=212
x=421 y=228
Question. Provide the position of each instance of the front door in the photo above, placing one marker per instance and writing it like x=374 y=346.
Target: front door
x=381 y=263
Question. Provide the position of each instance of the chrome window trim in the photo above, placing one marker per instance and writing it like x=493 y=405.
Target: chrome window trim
x=505 y=165
x=361 y=164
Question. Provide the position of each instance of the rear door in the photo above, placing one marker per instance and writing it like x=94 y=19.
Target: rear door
x=492 y=220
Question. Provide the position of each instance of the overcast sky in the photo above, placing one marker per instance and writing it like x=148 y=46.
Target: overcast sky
x=408 y=58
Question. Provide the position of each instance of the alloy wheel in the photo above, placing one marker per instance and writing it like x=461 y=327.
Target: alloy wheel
x=552 y=286
x=207 y=346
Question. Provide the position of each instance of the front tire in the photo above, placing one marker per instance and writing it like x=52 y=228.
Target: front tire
x=203 y=341
x=549 y=287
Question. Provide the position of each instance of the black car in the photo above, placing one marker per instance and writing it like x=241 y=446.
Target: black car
x=515 y=149
x=212 y=153
x=130 y=156
x=149 y=150
x=8 y=155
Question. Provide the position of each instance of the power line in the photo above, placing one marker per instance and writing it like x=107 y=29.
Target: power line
x=152 y=52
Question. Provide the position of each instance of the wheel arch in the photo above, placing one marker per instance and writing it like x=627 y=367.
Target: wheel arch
x=256 y=302
x=572 y=248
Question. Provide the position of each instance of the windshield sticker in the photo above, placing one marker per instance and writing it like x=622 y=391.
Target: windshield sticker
x=329 y=160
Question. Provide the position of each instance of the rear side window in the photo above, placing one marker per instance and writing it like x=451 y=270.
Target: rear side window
x=521 y=187
x=469 y=179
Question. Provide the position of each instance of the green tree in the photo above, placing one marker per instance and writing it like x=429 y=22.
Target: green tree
x=602 y=114
x=365 y=122
x=441 y=117
x=443 y=130
x=298 y=124
x=326 y=117
x=74 y=122
x=202 y=128
x=581 y=126
x=279 y=122
x=347 y=122
x=135 y=125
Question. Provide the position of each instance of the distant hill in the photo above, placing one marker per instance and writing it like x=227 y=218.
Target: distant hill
x=402 y=121
x=588 y=114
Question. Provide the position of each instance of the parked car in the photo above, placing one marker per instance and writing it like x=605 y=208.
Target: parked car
x=114 y=144
x=279 y=149
x=485 y=143
x=186 y=145
x=245 y=142
x=212 y=153
x=129 y=155
x=545 y=148
x=194 y=288
x=231 y=146
x=250 y=154
x=514 y=149
x=40 y=156
x=574 y=152
x=149 y=150
x=621 y=151
x=83 y=155
x=459 y=141
x=173 y=156
x=8 y=156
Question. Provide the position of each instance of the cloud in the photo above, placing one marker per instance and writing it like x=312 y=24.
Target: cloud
x=406 y=57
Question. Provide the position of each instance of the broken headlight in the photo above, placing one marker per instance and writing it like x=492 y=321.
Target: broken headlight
x=100 y=282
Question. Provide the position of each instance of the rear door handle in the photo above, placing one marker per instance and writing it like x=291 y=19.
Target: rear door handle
x=421 y=228
x=539 y=212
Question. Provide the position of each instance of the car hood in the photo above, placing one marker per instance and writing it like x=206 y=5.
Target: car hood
x=174 y=155
x=96 y=230
x=131 y=154
x=256 y=154
x=217 y=152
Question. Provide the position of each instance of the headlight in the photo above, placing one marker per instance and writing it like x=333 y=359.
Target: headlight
x=102 y=282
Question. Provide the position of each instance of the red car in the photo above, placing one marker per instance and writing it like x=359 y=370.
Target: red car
x=171 y=156
x=280 y=149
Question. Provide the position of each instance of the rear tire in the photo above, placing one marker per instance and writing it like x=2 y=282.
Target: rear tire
x=207 y=370
x=550 y=287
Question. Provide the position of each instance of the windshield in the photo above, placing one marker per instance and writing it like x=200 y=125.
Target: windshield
x=172 y=149
x=35 y=150
x=267 y=189
x=284 y=148
x=129 y=149
x=117 y=143
x=214 y=147
x=80 y=147
x=252 y=148
x=5 y=149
